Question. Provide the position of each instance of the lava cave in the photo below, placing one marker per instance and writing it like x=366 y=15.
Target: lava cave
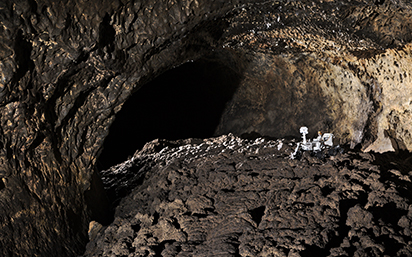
x=84 y=84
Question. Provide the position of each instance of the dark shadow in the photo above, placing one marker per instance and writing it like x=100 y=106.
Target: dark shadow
x=185 y=102
x=2 y=185
x=388 y=213
x=400 y=160
x=98 y=204
x=257 y=214
x=106 y=32
x=22 y=50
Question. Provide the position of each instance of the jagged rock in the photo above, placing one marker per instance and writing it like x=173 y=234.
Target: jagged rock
x=236 y=197
x=67 y=68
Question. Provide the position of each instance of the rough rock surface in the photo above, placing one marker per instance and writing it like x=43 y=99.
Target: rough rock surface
x=318 y=64
x=228 y=196
x=67 y=68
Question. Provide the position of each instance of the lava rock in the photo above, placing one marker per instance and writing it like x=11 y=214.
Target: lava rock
x=238 y=197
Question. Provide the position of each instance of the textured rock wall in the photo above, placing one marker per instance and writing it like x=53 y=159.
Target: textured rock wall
x=67 y=67
x=391 y=72
x=341 y=67
x=280 y=93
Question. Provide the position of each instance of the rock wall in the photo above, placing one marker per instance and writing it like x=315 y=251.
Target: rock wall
x=340 y=68
x=67 y=68
x=351 y=97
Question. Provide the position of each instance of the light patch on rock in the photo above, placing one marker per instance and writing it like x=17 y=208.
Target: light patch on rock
x=391 y=70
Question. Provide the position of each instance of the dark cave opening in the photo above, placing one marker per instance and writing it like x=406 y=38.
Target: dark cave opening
x=184 y=102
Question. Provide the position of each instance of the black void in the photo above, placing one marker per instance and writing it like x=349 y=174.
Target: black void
x=184 y=102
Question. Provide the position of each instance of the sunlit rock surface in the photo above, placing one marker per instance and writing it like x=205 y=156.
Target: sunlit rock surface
x=229 y=196
x=68 y=67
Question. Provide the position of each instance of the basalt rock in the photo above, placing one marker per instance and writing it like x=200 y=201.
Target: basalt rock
x=67 y=68
x=229 y=196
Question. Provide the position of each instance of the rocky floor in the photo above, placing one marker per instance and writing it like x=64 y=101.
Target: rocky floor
x=229 y=196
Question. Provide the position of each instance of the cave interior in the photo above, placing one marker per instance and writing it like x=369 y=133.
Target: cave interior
x=184 y=102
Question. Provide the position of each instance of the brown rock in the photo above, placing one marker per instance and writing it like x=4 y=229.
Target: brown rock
x=227 y=200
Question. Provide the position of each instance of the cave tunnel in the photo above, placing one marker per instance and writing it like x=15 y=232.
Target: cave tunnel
x=184 y=102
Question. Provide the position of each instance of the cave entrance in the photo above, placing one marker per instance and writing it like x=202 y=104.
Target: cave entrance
x=184 y=102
